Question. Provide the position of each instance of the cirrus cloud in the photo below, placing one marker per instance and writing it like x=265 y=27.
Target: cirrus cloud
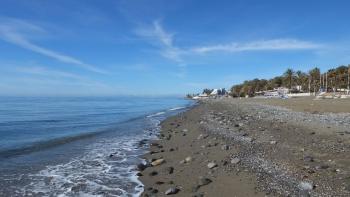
x=263 y=45
x=17 y=31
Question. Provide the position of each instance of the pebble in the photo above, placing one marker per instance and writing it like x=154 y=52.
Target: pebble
x=308 y=159
x=154 y=144
x=201 y=182
x=141 y=167
x=225 y=147
x=212 y=165
x=153 y=173
x=157 y=162
x=169 y=170
x=172 y=190
x=322 y=167
x=204 y=181
x=188 y=159
x=139 y=174
x=235 y=160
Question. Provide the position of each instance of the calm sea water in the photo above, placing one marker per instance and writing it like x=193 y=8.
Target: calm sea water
x=77 y=146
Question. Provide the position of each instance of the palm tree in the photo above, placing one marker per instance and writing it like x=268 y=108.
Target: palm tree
x=348 y=78
x=314 y=76
x=301 y=79
x=289 y=74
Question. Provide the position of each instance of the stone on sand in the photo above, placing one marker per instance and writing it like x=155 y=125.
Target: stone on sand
x=172 y=190
x=235 y=160
x=212 y=165
x=188 y=159
x=157 y=162
x=225 y=147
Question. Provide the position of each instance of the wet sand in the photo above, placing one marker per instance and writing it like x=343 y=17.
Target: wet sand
x=251 y=147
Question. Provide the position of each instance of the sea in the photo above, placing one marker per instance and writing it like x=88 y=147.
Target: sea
x=78 y=146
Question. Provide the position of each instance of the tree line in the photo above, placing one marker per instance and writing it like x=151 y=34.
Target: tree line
x=297 y=81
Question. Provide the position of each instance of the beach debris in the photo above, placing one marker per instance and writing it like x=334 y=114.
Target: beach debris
x=157 y=162
x=172 y=190
x=235 y=160
x=184 y=130
x=159 y=183
x=212 y=165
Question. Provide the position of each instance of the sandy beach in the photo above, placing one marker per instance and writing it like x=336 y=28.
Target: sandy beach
x=252 y=147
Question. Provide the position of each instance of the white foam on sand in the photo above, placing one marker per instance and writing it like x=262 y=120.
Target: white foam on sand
x=96 y=173
x=107 y=168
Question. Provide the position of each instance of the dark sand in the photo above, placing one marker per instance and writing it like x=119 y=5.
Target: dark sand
x=279 y=152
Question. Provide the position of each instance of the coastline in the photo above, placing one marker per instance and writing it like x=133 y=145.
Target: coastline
x=231 y=147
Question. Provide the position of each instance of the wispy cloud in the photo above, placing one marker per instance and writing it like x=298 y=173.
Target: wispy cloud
x=41 y=80
x=17 y=32
x=264 y=45
x=45 y=72
x=159 y=37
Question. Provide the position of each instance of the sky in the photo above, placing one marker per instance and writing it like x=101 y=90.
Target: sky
x=160 y=47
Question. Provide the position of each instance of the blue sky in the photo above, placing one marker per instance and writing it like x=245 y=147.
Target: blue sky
x=134 y=47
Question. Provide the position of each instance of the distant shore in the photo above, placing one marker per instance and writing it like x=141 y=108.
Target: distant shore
x=252 y=147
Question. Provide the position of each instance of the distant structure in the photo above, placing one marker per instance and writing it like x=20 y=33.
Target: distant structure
x=211 y=93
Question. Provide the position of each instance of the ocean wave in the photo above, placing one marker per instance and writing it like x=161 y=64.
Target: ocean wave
x=156 y=114
x=97 y=173
x=41 y=145
x=176 y=108
x=51 y=143
x=164 y=112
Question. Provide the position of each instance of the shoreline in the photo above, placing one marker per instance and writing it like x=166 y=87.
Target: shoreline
x=231 y=147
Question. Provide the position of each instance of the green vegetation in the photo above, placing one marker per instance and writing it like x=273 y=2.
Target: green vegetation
x=299 y=81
